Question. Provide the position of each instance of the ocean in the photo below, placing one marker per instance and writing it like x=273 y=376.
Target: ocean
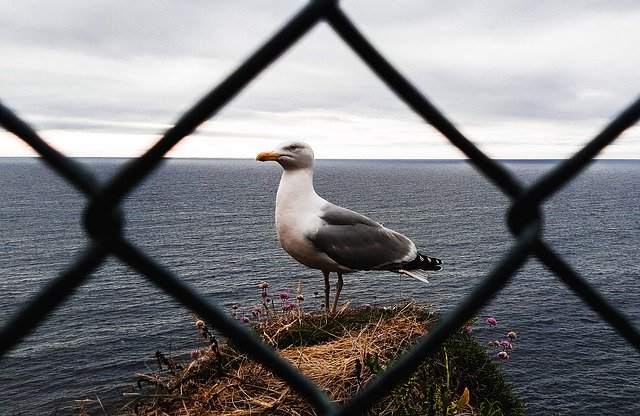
x=211 y=223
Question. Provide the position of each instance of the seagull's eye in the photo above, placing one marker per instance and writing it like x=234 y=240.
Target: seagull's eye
x=293 y=147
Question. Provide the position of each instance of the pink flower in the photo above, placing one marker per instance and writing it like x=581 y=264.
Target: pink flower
x=195 y=354
x=492 y=321
x=503 y=355
x=255 y=311
x=505 y=345
x=245 y=320
x=467 y=329
x=289 y=306
x=283 y=295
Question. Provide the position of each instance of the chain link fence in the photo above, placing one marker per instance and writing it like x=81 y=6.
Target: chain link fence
x=103 y=217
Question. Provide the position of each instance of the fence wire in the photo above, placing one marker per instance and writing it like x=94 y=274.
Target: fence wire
x=103 y=217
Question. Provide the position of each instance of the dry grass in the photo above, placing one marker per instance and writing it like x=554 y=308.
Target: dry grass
x=339 y=353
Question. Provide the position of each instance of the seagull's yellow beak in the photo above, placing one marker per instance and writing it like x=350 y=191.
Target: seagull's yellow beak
x=266 y=156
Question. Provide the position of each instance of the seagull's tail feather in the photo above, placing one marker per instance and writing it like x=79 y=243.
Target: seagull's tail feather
x=419 y=266
x=422 y=262
x=416 y=274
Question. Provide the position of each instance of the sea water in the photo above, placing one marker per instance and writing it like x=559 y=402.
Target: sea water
x=210 y=222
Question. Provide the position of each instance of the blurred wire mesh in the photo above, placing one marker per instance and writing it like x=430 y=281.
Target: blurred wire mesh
x=103 y=217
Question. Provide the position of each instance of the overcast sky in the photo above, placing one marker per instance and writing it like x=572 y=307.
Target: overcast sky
x=521 y=79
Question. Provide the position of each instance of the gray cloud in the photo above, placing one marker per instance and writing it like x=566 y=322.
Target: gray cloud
x=480 y=62
x=124 y=29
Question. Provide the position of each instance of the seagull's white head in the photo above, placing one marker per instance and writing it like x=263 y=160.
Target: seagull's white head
x=290 y=155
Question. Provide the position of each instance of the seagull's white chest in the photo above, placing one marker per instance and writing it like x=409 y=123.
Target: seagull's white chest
x=298 y=210
x=292 y=229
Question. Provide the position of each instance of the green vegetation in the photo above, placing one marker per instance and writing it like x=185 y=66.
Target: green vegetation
x=436 y=386
x=341 y=353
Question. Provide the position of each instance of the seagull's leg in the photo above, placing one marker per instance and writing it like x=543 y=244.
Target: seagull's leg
x=327 y=289
x=339 y=285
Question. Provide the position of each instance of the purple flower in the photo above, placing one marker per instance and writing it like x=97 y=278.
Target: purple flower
x=505 y=345
x=289 y=306
x=503 y=355
x=195 y=354
x=245 y=320
x=256 y=311
x=492 y=321
x=283 y=295
x=467 y=329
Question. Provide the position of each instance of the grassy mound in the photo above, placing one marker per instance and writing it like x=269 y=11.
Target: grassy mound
x=341 y=354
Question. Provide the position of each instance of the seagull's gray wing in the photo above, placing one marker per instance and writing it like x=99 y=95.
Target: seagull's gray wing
x=359 y=243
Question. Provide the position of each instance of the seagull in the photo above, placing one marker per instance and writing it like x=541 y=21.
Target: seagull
x=330 y=238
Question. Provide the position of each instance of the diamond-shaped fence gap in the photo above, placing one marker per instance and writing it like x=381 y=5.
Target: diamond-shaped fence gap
x=264 y=80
